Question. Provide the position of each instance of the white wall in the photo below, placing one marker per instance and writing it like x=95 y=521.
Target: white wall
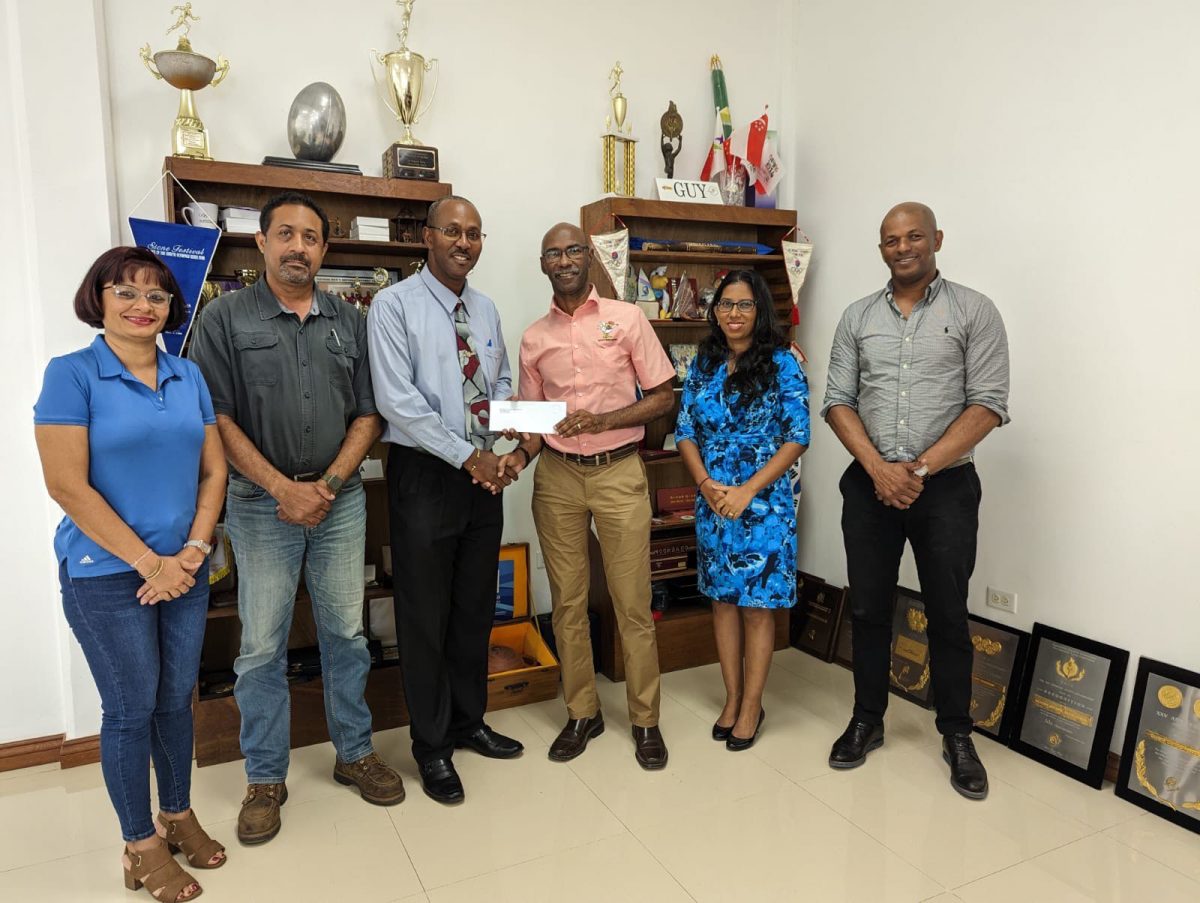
x=1057 y=143
x=516 y=118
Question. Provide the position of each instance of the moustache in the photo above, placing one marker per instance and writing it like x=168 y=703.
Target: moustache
x=298 y=258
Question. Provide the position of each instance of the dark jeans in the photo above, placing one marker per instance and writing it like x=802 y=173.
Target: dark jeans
x=445 y=553
x=145 y=660
x=942 y=526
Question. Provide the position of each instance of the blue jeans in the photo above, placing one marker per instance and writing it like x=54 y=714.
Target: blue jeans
x=145 y=660
x=269 y=554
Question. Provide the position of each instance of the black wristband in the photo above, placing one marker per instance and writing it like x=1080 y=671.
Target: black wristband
x=525 y=453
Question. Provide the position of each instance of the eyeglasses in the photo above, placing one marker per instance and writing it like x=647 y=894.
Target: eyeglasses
x=554 y=255
x=129 y=294
x=454 y=233
x=744 y=306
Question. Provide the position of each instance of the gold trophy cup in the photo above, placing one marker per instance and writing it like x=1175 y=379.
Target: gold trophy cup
x=619 y=147
x=401 y=94
x=188 y=71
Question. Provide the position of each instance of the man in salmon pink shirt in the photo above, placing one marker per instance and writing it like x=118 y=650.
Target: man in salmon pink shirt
x=594 y=353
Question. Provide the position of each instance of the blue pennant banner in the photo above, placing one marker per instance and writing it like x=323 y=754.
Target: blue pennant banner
x=187 y=251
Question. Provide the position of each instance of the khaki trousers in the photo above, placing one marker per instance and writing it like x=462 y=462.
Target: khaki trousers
x=566 y=496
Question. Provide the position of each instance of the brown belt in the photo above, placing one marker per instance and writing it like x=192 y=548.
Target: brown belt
x=598 y=460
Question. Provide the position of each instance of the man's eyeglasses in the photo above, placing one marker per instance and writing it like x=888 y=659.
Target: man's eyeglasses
x=744 y=306
x=554 y=255
x=454 y=233
x=129 y=294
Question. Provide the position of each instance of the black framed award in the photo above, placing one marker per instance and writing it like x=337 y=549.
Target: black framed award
x=1068 y=702
x=816 y=618
x=909 y=675
x=843 y=646
x=1160 y=763
x=999 y=662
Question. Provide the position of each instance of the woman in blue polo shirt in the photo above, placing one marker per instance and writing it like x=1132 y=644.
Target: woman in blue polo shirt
x=130 y=450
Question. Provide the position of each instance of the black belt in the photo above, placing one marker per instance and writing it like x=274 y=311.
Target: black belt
x=311 y=477
x=597 y=460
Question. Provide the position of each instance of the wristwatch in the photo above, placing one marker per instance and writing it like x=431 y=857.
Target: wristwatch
x=333 y=481
x=199 y=544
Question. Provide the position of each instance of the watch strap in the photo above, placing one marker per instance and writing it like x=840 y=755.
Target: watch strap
x=199 y=544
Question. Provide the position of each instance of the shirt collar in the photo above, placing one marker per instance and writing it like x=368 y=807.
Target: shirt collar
x=109 y=365
x=444 y=295
x=931 y=290
x=269 y=306
x=593 y=299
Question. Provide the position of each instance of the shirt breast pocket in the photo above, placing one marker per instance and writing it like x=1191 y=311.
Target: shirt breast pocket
x=344 y=357
x=940 y=353
x=256 y=353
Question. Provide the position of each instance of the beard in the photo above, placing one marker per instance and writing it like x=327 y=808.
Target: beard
x=293 y=275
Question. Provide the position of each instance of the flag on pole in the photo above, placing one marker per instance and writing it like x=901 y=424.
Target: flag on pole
x=758 y=155
x=719 y=159
x=715 y=162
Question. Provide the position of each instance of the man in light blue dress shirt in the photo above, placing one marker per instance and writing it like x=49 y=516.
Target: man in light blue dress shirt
x=437 y=358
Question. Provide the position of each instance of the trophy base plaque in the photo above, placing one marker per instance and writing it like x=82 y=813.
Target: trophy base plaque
x=410 y=161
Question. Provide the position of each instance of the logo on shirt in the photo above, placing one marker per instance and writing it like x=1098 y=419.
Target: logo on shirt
x=608 y=329
x=86 y=559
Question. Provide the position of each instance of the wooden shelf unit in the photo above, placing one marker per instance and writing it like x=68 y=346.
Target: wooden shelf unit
x=685 y=636
x=217 y=721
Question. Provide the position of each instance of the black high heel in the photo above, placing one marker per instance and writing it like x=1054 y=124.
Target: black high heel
x=737 y=744
x=721 y=734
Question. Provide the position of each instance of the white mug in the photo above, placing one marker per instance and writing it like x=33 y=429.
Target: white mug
x=201 y=214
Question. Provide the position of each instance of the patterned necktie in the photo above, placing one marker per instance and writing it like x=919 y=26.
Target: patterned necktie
x=475 y=399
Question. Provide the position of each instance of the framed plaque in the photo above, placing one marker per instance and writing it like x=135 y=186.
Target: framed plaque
x=909 y=675
x=1000 y=654
x=1068 y=702
x=843 y=646
x=1160 y=764
x=816 y=617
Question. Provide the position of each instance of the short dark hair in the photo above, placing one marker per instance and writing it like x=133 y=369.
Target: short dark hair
x=122 y=263
x=437 y=205
x=293 y=197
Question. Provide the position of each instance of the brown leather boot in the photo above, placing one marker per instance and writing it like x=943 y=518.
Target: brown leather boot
x=259 y=819
x=376 y=781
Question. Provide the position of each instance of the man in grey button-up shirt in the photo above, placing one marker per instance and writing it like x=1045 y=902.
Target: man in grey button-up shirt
x=918 y=376
x=291 y=386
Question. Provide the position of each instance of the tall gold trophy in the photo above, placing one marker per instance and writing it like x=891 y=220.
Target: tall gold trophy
x=620 y=177
x=405 y=72
x=188 y=71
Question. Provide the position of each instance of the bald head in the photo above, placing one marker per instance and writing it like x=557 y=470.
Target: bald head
x=563 y=235
x=909 y=240
x=911 y=209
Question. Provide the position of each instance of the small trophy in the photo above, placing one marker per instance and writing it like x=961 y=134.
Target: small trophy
x=623 y=181
x=672 y=138
x=407 y=158
x=188 y=71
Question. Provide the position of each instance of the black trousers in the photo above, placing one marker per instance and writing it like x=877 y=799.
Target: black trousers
x=941 y=525
x=445 y=535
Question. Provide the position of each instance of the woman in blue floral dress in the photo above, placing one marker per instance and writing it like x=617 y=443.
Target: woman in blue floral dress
x=743 y=422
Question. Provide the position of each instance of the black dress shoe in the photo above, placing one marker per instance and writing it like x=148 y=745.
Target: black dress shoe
x=851 y=748
x=721 y=734
x=573 y=739
x=441 y=782
x=487 y=742
x=650 y=748
x=737 y=744
x=967 y=774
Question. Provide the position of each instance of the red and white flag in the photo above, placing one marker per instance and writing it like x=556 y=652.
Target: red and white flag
x=758 y=154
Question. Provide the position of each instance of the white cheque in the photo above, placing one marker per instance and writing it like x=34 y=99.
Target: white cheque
x=526 y=416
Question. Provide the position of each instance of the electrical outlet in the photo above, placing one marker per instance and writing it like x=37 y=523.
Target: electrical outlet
x=539 y=560
x=1002 y=599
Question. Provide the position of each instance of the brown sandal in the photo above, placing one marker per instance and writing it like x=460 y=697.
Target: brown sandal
x=162 y=875
x=186 y=834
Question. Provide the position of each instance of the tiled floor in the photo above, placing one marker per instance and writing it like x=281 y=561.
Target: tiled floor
x=771 y=824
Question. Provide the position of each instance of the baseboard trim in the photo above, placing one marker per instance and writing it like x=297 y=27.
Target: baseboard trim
x=48 y=750
x=80 y=751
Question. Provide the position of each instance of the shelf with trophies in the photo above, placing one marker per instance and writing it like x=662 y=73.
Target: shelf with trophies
x=667 y=257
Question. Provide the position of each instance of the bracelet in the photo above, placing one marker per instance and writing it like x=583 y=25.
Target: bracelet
x=525 y=453
x=700 y=488
x=133 y=564
x=157 y=571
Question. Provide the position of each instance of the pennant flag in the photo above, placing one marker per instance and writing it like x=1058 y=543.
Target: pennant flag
x=187 y=251
x=612 y=250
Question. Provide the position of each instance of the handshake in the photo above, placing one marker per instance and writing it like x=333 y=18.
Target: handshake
x=493 y=472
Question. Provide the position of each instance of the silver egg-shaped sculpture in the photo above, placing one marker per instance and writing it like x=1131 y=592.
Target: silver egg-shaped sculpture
x=317 y=123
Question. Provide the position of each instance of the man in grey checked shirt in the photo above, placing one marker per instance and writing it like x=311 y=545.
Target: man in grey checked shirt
x=918 y=376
